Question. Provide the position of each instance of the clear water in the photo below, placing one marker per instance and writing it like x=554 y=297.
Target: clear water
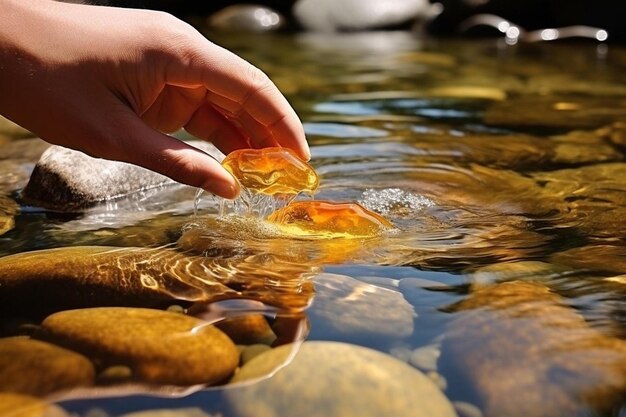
x=498 y=165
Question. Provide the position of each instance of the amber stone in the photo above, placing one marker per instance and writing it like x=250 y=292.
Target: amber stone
x=272 y=171
x=328 y=219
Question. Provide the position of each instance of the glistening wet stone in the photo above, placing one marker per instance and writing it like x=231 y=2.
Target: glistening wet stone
x=346 y=309
x=38 y=368
x=330 y=220
x=271 y=171
x=40 y=282
x=68 y=180
x=159 y=346
x=525 y=352
x=334 y=379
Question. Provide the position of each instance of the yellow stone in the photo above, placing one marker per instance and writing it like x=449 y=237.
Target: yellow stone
x=330 y=220
x=158 y=346
x=272 y=171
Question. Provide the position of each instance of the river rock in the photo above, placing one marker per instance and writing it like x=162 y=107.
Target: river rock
x=248 y=329
x=334 y=379
x=330 y=16
x=40 y=282
x=524 y=352
x=347 y=309
x=159 y=346
x=68 y=180
x=38 y=368
x=18 y=405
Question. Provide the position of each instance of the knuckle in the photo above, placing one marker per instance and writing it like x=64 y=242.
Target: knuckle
x=258 y=82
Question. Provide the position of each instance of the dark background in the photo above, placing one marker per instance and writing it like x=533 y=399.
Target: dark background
x=530 y=14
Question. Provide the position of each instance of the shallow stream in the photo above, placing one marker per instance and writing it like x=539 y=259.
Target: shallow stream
x=503 y=169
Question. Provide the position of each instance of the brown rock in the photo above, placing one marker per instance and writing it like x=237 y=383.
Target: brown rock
x=159 y=346
x=38 y=368
x=526 y=353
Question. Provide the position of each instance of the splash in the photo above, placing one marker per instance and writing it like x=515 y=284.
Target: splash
x=394 y=201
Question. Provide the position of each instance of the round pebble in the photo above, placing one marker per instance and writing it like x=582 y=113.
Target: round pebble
x=159 y=346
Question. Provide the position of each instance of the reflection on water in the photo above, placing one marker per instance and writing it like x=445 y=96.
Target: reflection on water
x=502 y=169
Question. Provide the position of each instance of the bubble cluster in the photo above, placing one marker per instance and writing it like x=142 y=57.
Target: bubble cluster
x=394 y=201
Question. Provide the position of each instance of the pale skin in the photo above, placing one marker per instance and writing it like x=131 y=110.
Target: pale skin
x=113 y=82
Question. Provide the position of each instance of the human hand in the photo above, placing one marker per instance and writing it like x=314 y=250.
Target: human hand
x=111 y=82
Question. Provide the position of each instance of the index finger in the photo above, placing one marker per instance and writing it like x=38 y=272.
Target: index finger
x=245 y=93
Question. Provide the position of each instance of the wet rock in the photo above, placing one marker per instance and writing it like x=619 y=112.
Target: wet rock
x=68 y=180
x=513 y=271
x=158 y=346
x=555 y=112
x=330 y=16
x=347 y=309
x=252 y=351
x=247 y=17
x=525 y=352
x=335 y=379
x=38 y=368
x=40 y=282
x=18 y=405
x=247 y=330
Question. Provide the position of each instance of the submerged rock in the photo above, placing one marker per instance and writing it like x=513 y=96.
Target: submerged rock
x=347 y=309
x=525 y=352
x=36 y=283
x=68 y=180
x=159 y=346
x=38 y=368
x=334 y=379
x=18 y=405
x=40 y=282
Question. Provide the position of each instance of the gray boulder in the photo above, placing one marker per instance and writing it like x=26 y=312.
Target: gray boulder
x=68 y=180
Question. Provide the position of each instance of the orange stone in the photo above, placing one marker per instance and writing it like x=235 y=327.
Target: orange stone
x=272 y=171
x=327 y=219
